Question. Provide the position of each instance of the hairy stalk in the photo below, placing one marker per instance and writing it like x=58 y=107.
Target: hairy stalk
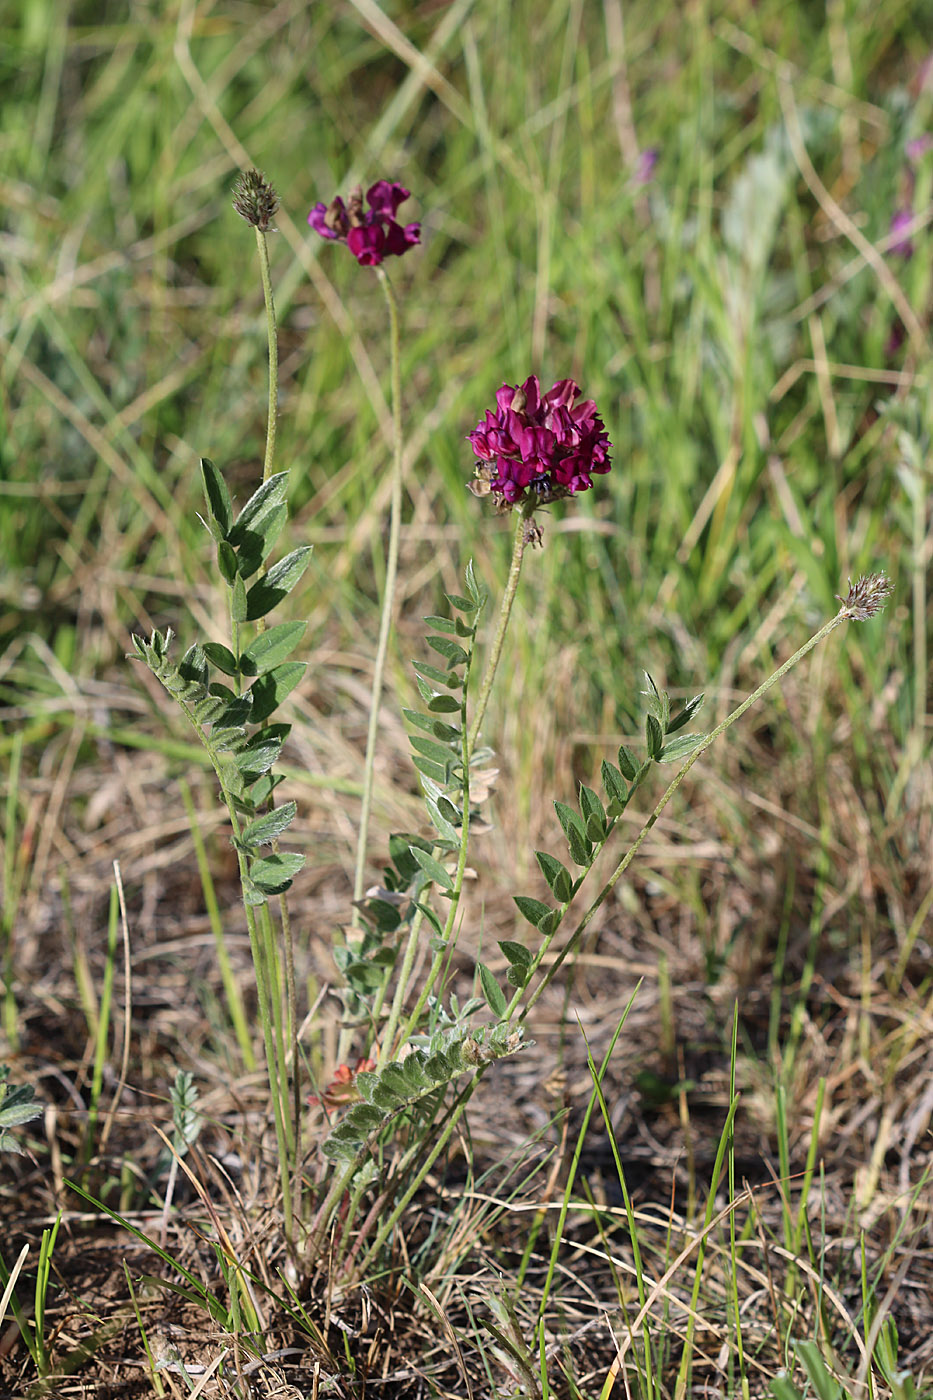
x=442 y=954
x=283 y=1132
x=401 y=1204
x=843 y=615
x=454 y=902
x=520 y=541
x=388 y=599
x=272 y=333
x=293 y=1115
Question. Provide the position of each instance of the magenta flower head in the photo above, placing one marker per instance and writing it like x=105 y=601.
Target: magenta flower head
x=371 y=234
x=538 y=447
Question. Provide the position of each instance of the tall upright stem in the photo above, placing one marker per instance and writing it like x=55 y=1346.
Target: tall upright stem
x=519 y=543
x=388 y=597
x=272 y=333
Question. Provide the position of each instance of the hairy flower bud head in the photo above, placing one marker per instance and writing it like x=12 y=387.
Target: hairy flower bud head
x=866 y=597
x=371 y=234
x=538 y=446
x=255 y=200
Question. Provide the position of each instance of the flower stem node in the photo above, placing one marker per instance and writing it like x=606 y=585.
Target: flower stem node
x=535 y=448
x=255 y=200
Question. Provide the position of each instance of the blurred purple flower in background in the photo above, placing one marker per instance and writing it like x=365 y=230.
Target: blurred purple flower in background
x=538 y=446
x=916 y=149
x=644 y=170
x=900 y=220
x=371 y=234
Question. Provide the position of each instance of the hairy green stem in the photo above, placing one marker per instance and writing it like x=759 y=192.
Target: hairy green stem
x=388 y=598
x=272 y=333
x=292 y=1115
x=505 y=612
x=444 y=952
x=283 y=1133
x=425 y=1166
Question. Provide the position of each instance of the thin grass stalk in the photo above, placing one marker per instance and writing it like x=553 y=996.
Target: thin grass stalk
x=683 y=1372
x=12 y=881
x=388 y=596
x=103 y=1019
x=733 y=1258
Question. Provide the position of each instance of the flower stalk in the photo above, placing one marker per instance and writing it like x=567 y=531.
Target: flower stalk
x=388 y=596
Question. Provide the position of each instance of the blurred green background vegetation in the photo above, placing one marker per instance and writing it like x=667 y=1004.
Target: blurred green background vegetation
x=732 y=314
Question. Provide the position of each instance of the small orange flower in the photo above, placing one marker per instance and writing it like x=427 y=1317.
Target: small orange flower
x=342 y=1088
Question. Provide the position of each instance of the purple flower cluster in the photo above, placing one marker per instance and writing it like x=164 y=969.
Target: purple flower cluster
x=539 y=446
x=371 y=234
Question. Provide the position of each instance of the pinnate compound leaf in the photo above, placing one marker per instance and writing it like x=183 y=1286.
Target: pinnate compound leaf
x=193 y=666
x=453 y=652
x=442 y=624
x=436 y=676
x=681 y=747
x=517 y=954
x=440 y=823
x=628 y=763
x=431 y=748
x=444 y=705
x=614 y=783
x=437 y=727
x=493 y=993
x=363 y=1118
x=590 y=804
x=476 y=590
x=270 y=647
x=262 y=750
x=221 y=657
x=258 y=542
x=557 y=875
x=594 y=816
x=219 y=504
x=691 y=708
x=456 y=600
x=269 y=690
x=275 y=873
x=239 y=602
x=269 y=827
x=532 y=909
x=449 y=811
x=659 y=703
x=433 y=868
x=263 y=500
x=435 y=771
x=574 y=832
x=269 y=591
x=227 y=561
